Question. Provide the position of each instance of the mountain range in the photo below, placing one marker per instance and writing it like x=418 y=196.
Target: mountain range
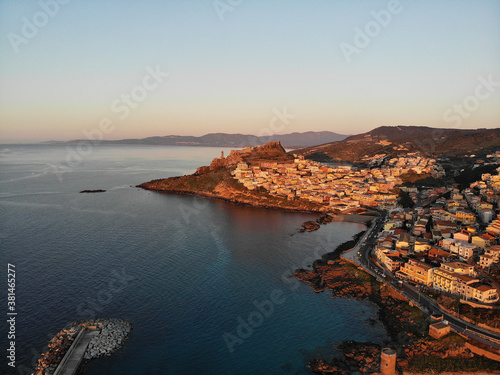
x=292 y=140
x=330 y=146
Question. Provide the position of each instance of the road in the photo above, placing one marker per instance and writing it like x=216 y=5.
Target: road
x=493 y=339
x=360 y=254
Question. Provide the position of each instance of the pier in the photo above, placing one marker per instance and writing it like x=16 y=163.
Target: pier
x=74 y=356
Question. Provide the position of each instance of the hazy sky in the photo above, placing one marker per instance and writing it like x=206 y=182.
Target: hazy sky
x=69 y=67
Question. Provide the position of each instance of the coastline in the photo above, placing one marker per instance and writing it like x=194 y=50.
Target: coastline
x=335 y=254
x=234 y=201
x=405 y=324
x=222 y=180
x=238 y=195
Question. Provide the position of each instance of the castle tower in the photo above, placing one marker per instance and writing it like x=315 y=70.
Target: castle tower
x=222 y=154
x=388 y=362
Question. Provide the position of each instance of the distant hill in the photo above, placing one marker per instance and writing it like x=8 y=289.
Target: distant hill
x=396 y=140
x=292 y=140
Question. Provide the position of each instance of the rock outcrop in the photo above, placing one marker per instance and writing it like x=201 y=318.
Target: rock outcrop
x=311 y=226
x=271 y=151
x=56 y=350
x=405 y=326
x=357 y=357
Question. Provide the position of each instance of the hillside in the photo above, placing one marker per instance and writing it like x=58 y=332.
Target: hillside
x=292 y=140
x=396 y=140
x=215 y=181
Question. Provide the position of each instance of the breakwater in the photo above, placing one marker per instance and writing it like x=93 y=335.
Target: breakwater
x=82 y=341
x=111 y=338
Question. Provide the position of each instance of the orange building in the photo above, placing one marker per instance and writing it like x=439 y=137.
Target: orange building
x=416 y=271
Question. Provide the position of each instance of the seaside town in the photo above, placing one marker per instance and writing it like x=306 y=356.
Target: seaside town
x=442 y=241
x=340 y=187
x=447 y=241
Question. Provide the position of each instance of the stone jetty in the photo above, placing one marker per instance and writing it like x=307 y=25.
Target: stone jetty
x=112 y=335
x=56 y=349
x=107 y=336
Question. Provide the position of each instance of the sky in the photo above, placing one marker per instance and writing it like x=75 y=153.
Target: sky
x=115 y=69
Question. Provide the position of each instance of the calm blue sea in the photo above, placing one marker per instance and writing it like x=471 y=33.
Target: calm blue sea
x=189 y=273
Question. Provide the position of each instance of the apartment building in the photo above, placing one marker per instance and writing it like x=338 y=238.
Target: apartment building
x=417 y=272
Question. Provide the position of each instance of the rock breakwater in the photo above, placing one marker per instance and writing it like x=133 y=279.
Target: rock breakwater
x=111 y=338
x=56 y=349
x=112 y=335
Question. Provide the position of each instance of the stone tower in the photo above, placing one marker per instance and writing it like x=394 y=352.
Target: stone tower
x=222 y=154
x=388 y=362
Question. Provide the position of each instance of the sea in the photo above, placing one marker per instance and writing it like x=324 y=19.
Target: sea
x=206 y=284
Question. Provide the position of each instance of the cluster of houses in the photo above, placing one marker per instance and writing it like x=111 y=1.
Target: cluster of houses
x=339 y=187
x=418 y=164
x=412 y=161
x=448 y=245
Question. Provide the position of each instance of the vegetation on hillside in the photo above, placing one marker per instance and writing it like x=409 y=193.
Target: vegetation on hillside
x=405 y=200
x=395 y=140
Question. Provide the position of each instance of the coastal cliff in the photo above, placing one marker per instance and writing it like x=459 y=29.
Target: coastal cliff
x=216 y=181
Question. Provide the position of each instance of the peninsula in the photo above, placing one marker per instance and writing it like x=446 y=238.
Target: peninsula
x=220 y=179
x=267 y=176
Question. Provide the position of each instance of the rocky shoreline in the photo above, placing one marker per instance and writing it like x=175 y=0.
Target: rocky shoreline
x=56 y=349
x=335 y=254
x=406 y=328
x=111 y=337
x=247 y=201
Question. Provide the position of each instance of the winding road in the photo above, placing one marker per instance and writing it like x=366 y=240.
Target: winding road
x=360 y=254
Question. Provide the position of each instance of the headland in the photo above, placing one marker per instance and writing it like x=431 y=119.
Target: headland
x=218 y=180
